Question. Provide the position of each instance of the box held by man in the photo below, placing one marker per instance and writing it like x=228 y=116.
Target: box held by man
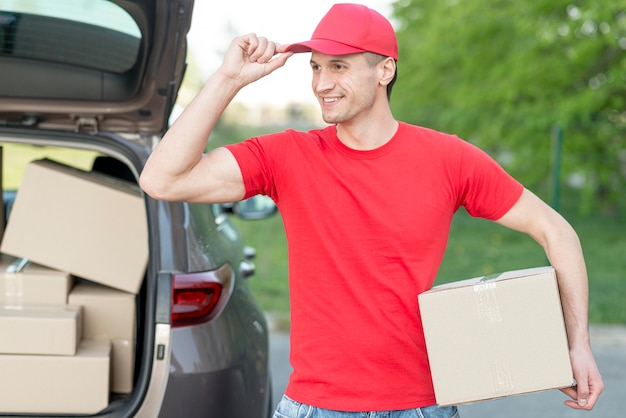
x=496 y=336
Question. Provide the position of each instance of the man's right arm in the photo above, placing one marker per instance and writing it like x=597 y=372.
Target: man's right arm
x=178 y=169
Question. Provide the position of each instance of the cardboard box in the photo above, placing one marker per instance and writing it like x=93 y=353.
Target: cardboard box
x=56 y=384
x=54 y=330
x=496 y=336
x=110 y=314
x=88 y=224
x=34 y=285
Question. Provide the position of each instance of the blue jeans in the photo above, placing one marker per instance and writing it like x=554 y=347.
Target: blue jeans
x=288 y=408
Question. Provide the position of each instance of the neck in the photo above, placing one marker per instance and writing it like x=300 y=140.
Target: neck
x=369 y=134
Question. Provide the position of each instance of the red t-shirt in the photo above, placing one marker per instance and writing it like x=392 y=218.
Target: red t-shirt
x=366 y=232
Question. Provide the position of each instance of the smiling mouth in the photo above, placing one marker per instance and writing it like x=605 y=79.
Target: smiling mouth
x=330 y=100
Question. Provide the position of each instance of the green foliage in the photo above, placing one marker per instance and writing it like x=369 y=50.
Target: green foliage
x=502 y=74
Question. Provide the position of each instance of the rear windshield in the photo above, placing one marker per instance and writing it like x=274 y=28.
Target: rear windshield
x=95 y=34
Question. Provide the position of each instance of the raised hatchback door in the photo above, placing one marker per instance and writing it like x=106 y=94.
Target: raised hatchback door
x=92 y=65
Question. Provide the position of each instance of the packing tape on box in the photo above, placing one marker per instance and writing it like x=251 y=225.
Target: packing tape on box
x=487 y=301
x=502 y=379
x=14 y=290
x=14 y=283
x=489 y=309
x=18 y=265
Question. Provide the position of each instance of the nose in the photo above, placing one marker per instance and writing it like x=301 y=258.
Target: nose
x=323 y=82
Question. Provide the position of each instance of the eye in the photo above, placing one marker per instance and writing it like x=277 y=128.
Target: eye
x=315 y=67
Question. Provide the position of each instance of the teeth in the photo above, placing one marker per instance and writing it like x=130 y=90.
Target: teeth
x=329 y=100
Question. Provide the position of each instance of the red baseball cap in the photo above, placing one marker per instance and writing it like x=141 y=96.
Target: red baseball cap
x=349 y=29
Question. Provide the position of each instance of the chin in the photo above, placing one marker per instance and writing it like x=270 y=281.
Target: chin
x=332 y=118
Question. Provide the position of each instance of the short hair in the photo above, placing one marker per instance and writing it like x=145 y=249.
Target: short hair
x=372 y=60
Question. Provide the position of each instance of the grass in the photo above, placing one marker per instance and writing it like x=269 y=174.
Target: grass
x=604 y=243
x=476 y=247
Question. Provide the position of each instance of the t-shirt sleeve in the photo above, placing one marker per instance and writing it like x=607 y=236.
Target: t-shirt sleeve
x=255 y=156
x=487 y=190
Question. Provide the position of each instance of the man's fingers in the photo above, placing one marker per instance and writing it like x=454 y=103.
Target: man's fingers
x=257 y=48
x=581 y=399
x=269 y=53
x=595 y=389
x=261 y=50
x=582 y=391
x=252 y=57
x=589 y=383
x=278 y=61
x=570 y=391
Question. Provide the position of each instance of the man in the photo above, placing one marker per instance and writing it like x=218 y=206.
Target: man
x=367 y=204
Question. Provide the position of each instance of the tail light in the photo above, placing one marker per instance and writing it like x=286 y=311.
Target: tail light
x=197 y=297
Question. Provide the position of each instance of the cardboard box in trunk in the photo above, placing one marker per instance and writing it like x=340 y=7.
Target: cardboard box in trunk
x=34 y=285
x=49 y=385
x=110 y=314
x=88 y=224
x=496 y=336
x=54 y=330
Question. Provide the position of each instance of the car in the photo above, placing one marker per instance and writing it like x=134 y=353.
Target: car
x=86 y=90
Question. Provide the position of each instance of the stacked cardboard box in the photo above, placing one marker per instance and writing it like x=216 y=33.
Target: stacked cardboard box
x=109 y=314
x=34 y=317
x=44 y=359
x=65 y=347
x=496 y=336
x=51 y=384
x=54 y=330
x=34 y=285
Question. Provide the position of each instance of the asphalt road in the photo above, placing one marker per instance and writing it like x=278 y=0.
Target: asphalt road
x=609 y=346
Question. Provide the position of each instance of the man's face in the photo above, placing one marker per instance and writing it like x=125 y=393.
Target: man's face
x=345 y=86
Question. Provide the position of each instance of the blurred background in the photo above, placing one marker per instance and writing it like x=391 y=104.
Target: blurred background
x=540 y=86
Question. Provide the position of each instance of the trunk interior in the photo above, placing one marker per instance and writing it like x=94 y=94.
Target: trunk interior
x=72 y=281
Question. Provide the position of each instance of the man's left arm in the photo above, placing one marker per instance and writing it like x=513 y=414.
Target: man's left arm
x=560 y=242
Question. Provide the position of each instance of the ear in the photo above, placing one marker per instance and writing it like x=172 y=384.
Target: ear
x=388 y=69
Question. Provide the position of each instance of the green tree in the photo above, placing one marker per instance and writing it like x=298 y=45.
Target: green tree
x=502 y=74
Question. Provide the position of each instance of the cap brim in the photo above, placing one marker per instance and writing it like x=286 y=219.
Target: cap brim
x=324 y=46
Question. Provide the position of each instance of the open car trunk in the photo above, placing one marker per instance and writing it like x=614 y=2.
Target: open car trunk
x=95 y=324
x=77 y=315
x=73 y=294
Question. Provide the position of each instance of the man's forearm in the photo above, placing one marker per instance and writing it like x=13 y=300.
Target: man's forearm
x=564 y=251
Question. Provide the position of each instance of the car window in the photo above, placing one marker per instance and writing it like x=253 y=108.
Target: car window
x=17 y=156
x=96 y=34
